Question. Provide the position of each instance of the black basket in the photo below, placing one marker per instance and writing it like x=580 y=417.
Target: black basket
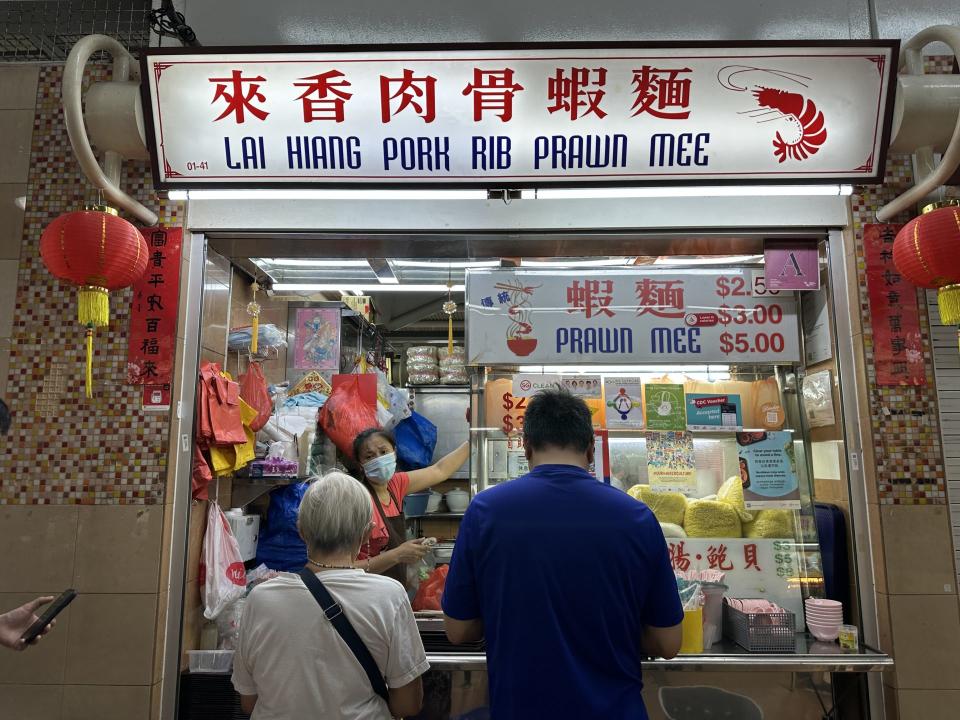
x=761 y=632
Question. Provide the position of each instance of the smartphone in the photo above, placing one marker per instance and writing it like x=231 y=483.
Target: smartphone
x=53 y=609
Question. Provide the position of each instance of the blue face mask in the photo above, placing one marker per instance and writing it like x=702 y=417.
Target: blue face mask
x=381 y=469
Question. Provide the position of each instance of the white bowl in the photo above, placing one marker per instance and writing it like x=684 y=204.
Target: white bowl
x=826 y=633
x=822 y=604
x=457 y=500
x=824 y=614
x=443 y=552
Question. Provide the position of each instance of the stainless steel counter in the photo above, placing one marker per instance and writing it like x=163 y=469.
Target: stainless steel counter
x=725 y=656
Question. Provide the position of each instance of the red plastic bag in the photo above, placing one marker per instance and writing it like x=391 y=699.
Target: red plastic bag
x=430 y=591
x=223 y=579
x=345 y=415
x=253 y=390
x=222 y=398
x=202 y=475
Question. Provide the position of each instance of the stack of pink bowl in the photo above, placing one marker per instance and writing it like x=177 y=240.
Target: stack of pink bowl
x=824 y=618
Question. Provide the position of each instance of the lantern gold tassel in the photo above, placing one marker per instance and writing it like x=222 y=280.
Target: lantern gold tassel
x=89 y=376
x=948 y=299
x=449 y=335
x=254 y=334
x=93 y=306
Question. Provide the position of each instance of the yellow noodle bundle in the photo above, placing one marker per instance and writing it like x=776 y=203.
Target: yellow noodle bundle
x=711 y=519
x=668 y=507
x=731 y=493
x=770 y=524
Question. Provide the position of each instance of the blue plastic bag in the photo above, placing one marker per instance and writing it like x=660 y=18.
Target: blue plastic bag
x=279 y=546
x=416 y=440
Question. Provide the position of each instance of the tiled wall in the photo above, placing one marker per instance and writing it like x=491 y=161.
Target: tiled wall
x=81 y=482
x=911 y=540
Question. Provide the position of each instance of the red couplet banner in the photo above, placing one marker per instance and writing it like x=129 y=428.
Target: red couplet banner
x=894 y=312
x=153 y=316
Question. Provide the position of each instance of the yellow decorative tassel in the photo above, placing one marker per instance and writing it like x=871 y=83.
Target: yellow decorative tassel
x=89 y=377
x=449 y=335
x=93 y=306
x=948 y=299
x=254 y=334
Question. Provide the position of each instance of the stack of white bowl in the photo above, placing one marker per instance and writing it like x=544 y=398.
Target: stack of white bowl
x=824 y=618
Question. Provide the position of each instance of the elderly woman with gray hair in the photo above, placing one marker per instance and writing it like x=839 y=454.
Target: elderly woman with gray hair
x=297 y=657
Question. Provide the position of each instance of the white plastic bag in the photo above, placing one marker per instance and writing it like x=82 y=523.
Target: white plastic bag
x=223 y=579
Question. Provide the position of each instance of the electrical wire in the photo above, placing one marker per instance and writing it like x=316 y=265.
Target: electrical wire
x=167 y=22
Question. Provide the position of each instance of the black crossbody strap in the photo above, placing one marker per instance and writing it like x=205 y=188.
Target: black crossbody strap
x=331 y=608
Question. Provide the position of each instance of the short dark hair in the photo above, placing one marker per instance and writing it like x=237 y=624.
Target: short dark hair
x=360 y=439
x=558 y=419
x=4 y=418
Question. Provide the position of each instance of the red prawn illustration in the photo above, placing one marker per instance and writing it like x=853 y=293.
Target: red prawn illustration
x=811 y=126
x=796 y=109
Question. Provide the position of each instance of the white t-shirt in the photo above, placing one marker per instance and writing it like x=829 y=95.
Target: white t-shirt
x=292 y=658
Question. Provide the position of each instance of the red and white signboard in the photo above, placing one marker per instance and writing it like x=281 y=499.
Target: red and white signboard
x=578 y=114
x=617 y=317
x=153 y=317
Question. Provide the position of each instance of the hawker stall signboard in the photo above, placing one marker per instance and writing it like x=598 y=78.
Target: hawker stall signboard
x=618 y=317
x=496 y=116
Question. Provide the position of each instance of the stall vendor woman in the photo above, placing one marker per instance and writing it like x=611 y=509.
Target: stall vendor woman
x=389 y=552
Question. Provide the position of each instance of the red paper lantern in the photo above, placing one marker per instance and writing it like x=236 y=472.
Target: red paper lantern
x=98 y=251
x=927 y=253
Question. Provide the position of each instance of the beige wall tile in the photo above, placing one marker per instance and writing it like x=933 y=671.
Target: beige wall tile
x=11 y=220
x=31 y=702
x=106 y=702
x=16 y=134
x=876 y=545
x=192 y=621
x=198 y=526
x=118 y=548
x=926 y=635
x=162 y=600
x=156 y=692
x=885 y=633
x=918 y=548
x=19 y=83
x=42 y=664
x=891 y=706
x=8 y=294
x=111 y=640
x=38 y=544
x=929 y=704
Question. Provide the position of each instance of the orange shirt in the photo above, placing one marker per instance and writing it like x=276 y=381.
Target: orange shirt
x=380 y=536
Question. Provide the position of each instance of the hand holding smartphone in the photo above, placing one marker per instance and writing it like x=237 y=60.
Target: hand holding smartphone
x=48 y=616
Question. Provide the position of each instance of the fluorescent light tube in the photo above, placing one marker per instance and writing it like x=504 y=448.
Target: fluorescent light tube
x=561 y=263
x=441 y=265
x=322 y=287
x=293 y=262
x=292 y=194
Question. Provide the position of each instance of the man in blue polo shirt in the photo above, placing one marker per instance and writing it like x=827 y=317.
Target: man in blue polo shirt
x=568 y=579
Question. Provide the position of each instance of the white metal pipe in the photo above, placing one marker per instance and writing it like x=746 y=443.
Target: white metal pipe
x=911 y=58
x=72 y=99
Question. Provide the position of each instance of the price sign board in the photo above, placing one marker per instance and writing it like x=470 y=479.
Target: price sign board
x=754 y=568
x=636 y=315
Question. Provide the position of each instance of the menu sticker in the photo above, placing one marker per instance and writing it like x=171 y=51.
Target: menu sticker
x=664 y=407
x=671 y=463
x=714 y=412
x=623 y=403
x=768 y=470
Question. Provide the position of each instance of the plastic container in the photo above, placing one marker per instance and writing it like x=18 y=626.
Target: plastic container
x=692 y=628
x=210 y=661
x=415 y=504
x=433 y=504
x=713 y=594
x=246 y=529
x=761 y=632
